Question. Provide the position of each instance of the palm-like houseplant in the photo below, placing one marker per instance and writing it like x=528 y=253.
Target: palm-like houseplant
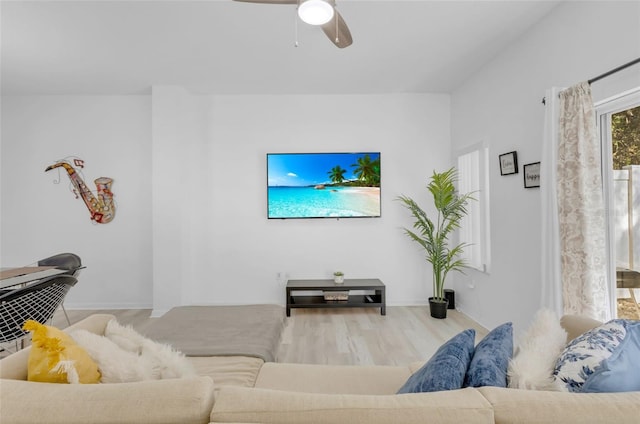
x=433 y=235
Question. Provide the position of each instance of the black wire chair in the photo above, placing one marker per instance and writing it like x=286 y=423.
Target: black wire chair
x=67 y=261
x=37 y=301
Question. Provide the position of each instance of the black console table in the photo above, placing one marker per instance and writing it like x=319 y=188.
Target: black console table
x=374 y=299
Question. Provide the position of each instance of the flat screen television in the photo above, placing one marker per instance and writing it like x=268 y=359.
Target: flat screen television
x=323 y=185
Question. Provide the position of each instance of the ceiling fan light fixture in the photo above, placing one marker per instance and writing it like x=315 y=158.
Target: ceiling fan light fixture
x=315 y=12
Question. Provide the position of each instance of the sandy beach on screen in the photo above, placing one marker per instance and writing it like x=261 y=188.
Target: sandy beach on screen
x=364 y=199
x=373 y=192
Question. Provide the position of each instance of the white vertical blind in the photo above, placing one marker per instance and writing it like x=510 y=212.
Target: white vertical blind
x=474 y=229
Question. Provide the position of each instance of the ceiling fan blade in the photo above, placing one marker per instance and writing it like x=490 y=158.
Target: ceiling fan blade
x=270 y=1
x=338 y=31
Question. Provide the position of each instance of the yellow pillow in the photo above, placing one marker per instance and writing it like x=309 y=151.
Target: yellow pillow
x=56 y=358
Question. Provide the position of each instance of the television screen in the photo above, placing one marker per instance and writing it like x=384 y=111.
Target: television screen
x=323 y=185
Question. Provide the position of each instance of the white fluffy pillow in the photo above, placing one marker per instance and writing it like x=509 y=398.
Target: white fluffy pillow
x=116 y=365
x=124 y=355
x=124 y=336
x=166 y=361
x=537 y=351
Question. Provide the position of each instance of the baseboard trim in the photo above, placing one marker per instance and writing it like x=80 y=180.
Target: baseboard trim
x=98 y=306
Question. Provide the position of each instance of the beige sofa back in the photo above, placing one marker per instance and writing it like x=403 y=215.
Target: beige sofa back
x=530 y=406
x=239 y=404
x=174 y=401
x=290 y=393
x=331 y=379
x=177 y=401
x=576 y=325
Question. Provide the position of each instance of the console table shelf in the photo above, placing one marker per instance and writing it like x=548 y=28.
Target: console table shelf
x=374 y=299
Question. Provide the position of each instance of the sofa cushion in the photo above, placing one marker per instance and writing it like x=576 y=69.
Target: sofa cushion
x=237 y=404
x=538 y=349
x=576 y=325
x=447 y=367
x=229 y=330
x=184 y=401
x=228 y=370
x=333 y=379
x=603 y=359
x=56 y=358
x=488 y=366
x=531 y=406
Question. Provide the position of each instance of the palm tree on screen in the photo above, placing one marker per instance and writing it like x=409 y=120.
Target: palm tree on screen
x=367 y=170
x=337 y=174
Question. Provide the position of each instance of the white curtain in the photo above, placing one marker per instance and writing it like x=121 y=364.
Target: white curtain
x=581 y=212
x=551 y=269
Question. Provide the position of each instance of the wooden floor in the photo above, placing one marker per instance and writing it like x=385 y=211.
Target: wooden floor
x=364 y=337
x=350 y=336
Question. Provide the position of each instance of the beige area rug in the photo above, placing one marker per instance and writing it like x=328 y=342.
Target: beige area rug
x=627 y=309
x=243 y=330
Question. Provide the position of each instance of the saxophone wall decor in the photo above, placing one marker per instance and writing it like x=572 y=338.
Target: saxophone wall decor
x=101 y=205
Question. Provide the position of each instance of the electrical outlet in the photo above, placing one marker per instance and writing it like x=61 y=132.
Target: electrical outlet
x=472 y=284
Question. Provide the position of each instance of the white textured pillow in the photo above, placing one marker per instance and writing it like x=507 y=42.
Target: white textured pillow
x=115 y=364
x=166 y=362
x=123 y=355
x=124 y=336
x=538 y=349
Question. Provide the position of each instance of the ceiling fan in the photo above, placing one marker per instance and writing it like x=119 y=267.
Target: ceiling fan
x=322 y=13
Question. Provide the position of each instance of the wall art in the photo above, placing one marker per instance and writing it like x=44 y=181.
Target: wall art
x=101 y=205
x=531 y=173
x=508 y=163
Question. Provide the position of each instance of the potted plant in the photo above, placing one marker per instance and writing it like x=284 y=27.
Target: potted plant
x=338 y=277
x=433 y=234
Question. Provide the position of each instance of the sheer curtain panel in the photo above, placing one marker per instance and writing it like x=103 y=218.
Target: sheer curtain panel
x=550 y=255
x=581 y=212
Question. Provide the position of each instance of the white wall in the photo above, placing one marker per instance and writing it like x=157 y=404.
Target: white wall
x=235 y=252
x=502 y=103
x=190 y=185
x=40 y=218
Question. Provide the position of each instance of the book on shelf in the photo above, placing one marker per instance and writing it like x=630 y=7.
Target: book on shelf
x=336 y=295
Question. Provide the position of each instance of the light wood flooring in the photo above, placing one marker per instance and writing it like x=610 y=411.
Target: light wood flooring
x=364 y=337
x=349 y=336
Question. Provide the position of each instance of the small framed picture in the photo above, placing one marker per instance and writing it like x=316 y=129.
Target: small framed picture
x=508 y=163
x=531 y=173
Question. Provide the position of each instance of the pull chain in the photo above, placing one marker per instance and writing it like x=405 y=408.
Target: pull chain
x=335 y=16
x=295 y=16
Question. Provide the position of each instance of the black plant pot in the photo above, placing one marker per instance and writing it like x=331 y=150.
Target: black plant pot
x=438 y=307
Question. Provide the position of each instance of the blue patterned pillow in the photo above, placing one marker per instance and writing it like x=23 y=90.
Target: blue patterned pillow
x=491 y=358
x=602 y=360
x=446 y=368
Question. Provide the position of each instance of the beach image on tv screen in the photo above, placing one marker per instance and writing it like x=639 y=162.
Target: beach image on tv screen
x=323 y=185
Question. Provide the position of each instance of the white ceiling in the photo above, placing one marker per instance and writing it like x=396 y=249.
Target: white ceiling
x=227 y=47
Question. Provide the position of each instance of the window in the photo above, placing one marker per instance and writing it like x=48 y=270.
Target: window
x=618 y=121
x=473 y=177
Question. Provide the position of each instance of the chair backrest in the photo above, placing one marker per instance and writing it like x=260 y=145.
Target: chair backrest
x=67 y=261
x=37 y=301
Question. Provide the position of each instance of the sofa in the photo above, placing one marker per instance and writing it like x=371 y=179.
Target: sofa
x=237 y=389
